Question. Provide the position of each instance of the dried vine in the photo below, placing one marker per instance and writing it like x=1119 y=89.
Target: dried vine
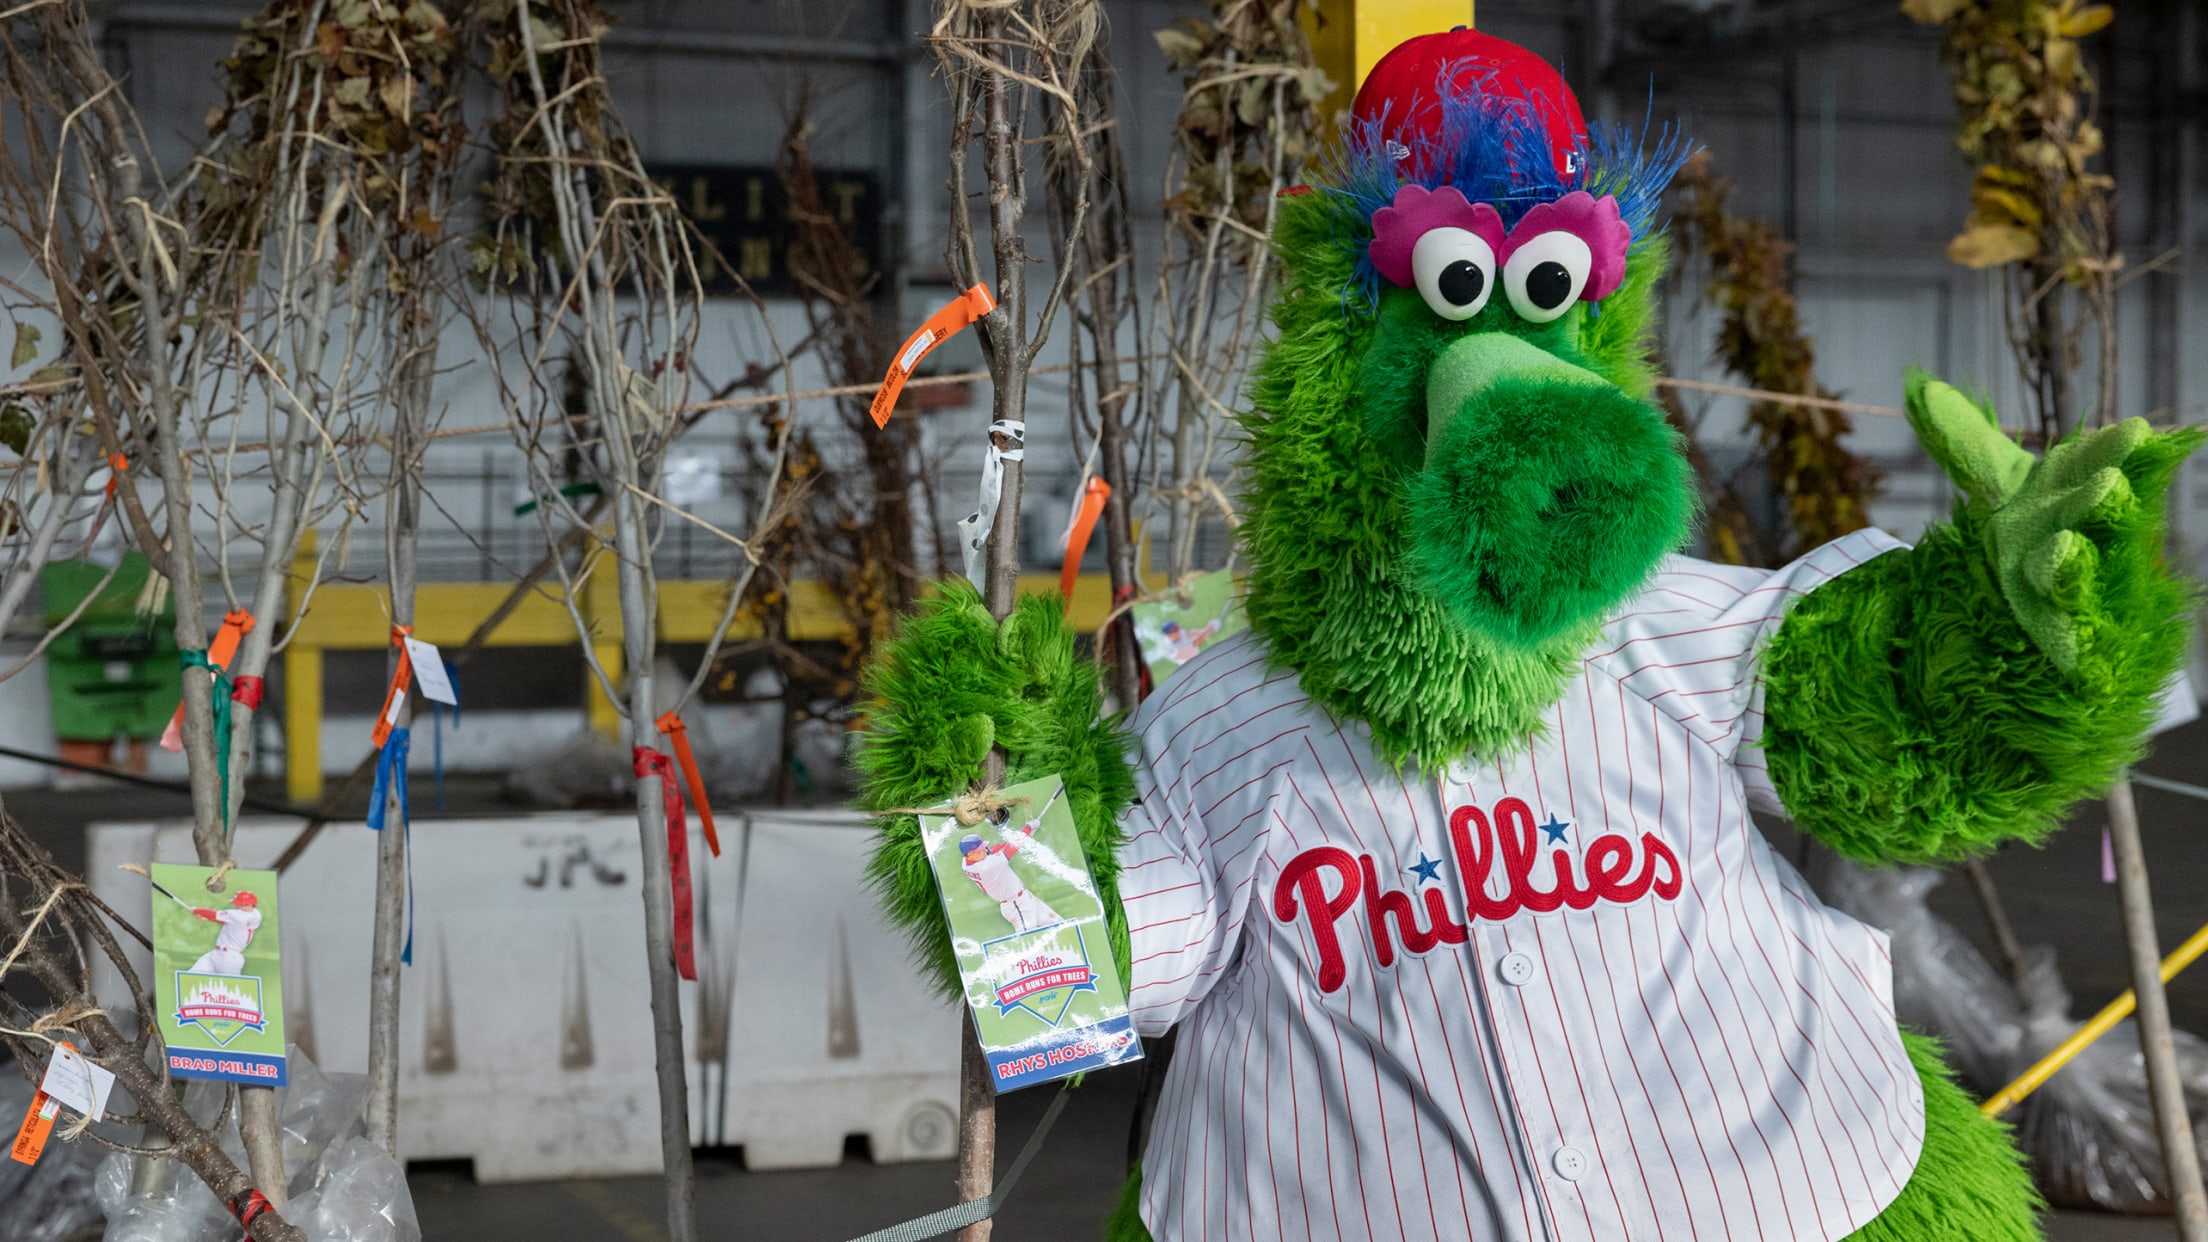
x=2040 y=211
x=1823 y=487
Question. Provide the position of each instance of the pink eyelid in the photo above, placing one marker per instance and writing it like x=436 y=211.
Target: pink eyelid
x=1592 y=220
x=1418 y=211
x=1396 y=229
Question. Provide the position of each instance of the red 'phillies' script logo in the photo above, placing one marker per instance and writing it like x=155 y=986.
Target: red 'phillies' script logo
x=1482 y=847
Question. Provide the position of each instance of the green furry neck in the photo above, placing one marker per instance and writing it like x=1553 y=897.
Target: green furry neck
x=1331 y=587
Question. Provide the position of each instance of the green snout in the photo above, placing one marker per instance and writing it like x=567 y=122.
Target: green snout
x=1547 y=495
x=1477 y=362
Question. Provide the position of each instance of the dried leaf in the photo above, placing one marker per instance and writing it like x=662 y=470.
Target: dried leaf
x=1182 y=47
x=16 y=425
x=352 y=93
x=2087 y=20
x=397 y=94
x=1932 y=12
x=26 y=345
x=1996 y=204
x=1990 y=245
x=424 y=223
x=2061 y=57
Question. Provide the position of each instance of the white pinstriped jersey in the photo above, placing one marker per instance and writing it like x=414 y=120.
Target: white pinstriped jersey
x=1570 y=994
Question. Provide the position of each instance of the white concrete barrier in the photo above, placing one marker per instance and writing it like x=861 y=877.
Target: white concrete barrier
x=526 y=1026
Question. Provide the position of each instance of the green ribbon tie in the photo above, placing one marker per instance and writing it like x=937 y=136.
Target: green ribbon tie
x=197 y=658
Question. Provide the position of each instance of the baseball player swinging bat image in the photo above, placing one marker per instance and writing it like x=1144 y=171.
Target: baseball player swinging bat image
x=989 y=866
x=237 y=925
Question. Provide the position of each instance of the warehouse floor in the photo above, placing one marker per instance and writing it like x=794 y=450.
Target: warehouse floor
x=1065 y=1195
x=2054 y=896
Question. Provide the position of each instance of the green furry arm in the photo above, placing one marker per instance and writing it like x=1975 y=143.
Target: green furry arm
x=1911 y=715
x=943 y=692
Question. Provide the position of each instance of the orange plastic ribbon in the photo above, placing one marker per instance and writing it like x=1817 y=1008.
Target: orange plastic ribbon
x=940 y=327
x=1093 y=497
x=679 y=737
x=402 y=678
x=38 y=1123
x=235 y=625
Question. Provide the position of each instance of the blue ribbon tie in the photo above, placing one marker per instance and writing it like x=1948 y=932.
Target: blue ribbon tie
x=390 y=783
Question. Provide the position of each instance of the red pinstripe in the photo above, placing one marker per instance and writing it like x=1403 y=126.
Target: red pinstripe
x=1594 y=1133
x=1387 y=1150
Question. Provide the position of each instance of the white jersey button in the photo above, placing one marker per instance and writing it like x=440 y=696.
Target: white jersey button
x=1571 y=1163
x=1516 y=969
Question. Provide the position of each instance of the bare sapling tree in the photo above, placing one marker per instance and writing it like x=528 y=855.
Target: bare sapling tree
x=223 y=327
x=1009 y=66
x=591 y=279
x=1249 y=123
x=1105 y=390
x=343 y=114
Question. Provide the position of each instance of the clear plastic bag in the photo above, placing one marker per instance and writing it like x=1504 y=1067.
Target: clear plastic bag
x=342 y=1187
x=2089 y=1130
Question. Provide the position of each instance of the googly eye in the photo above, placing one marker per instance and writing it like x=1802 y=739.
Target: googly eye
x=1454 y=270
x=1544 y=276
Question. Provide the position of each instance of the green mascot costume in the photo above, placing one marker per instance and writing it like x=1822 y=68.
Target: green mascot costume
x=1444 y=869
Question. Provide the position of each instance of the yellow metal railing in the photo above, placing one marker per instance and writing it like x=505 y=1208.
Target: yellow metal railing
x=357 y=617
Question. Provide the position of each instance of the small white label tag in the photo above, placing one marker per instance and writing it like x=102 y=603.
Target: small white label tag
x=429 y=672
x=77 y=1082
x=913 y=351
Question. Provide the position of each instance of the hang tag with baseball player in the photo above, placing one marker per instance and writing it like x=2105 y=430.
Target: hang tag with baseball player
x=1028 y=929
x=218 y=981
x=1172 y=632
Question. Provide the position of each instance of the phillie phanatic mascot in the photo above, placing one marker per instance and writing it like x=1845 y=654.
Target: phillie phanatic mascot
x=1444 y=869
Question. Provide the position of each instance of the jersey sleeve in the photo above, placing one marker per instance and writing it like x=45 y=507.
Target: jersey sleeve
x=1692 y=642
x=1195 y=835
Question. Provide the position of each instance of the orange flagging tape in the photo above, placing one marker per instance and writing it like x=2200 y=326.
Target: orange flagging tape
x=679 y=737
x=940 y=327
x=235 y=625
x=1093 y=497
x=402 y=678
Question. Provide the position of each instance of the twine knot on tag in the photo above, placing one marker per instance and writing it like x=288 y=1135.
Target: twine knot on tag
x=969 y=808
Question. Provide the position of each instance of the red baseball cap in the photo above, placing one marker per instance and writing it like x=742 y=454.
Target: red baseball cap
x=245 y=899
x=1402 y=91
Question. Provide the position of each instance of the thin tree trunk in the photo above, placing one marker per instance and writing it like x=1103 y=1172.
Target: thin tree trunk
x=412 y=410
x=2164 y=1084
x=1121 y=650
x=637 y=624
x=1997 y=920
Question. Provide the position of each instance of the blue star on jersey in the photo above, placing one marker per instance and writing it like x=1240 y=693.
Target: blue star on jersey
x=1427 y=869
x=1555 y=830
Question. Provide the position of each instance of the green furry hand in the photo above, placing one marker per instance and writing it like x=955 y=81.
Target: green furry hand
x=951 y=685
x=2045 y=521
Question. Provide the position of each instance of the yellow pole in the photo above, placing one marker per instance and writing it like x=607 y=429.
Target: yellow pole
x=302 y=689
x=1348 y=37
x=601 y=607
x=2119 y=1009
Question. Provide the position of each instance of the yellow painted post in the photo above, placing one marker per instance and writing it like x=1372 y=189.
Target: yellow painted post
x=1348 y=37
x=302 y=688
x=601 y=607
x=2117 y=1010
